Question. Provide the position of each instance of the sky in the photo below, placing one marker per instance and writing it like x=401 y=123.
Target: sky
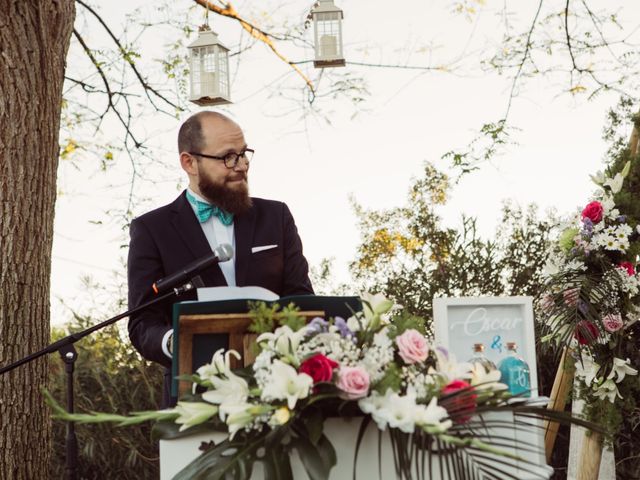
x=408 y=118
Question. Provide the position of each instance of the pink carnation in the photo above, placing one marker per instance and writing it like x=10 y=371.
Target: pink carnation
x=628 y=266
x=353 y=381
x=571 y=296
x=612 y=322
x=412 y=346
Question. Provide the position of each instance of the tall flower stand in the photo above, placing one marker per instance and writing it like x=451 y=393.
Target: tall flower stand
x=343 y=432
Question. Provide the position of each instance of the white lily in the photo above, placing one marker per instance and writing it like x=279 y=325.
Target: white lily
x=285 y=383
x=607 y=390
x=483 y=380
x=449 y=368
x=587 y=369
x=620 y=369
x=284 y=341
x=429 y=417
x=374 y=307
x=598 y=178
x=231 y=390
x=220 y=364
x=614 y=183
x=194 y=413
x=238 y=416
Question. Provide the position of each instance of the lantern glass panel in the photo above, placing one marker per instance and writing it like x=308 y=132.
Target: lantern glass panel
x=223 y=66
x=195 y=72
x=328 y=41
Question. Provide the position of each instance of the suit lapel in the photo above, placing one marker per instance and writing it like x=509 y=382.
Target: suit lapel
x=243 y=231
x=186 y=224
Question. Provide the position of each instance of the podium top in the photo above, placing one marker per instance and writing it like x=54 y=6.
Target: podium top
x=332 y=306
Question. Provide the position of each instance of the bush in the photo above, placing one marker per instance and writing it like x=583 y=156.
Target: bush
x=110 y=376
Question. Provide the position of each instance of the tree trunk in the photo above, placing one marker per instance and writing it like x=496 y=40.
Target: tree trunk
x=34 y=38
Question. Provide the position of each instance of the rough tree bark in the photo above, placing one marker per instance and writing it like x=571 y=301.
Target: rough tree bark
x=34 y=38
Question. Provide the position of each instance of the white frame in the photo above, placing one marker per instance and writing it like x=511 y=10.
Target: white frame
x=520 y=329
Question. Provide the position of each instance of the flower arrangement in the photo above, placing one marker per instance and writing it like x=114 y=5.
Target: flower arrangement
x=378 y=365
x=591 y=302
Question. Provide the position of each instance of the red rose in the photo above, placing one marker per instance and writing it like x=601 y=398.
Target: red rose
x=628 y=266
x=318 y=367
x=586 y=332
x=460 y=400
x=593 y=211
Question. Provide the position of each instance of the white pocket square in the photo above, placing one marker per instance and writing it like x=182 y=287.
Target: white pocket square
x=262 y=248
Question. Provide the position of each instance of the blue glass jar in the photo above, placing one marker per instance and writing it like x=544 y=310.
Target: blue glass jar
x=515 y=372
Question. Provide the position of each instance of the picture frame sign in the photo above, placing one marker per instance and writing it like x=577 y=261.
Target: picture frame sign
x=459 y=323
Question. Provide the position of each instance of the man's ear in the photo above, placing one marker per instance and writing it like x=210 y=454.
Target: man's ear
x=188 y=163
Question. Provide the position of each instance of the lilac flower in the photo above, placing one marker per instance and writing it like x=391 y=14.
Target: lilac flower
x=583 y=306
x=622 y=218
x=318 y=325
x=342 y=327
x=588 y=223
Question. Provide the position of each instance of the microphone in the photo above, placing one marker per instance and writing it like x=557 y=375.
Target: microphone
x=222 y=253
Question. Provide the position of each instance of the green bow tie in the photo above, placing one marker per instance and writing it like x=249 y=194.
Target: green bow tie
x=205 y=210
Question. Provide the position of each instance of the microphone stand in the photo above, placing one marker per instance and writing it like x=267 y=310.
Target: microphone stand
x=67 y=351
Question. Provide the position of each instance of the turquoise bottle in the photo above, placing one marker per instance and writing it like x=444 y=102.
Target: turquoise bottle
x=515 y=372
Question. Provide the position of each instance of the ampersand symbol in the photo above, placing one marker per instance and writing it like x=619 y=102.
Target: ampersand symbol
x=497 y=343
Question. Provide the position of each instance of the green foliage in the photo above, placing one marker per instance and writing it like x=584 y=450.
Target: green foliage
x=264 y=316
x=109 y=377
x=407 y=254
x=616 y=133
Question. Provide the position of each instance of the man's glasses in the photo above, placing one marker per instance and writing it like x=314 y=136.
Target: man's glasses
x=230 y=159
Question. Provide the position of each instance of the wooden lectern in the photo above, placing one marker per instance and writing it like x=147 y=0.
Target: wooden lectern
x=202 y=328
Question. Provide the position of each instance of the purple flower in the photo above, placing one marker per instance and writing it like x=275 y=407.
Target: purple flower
x=342 y=327
x=622 y=218
x=318 y=325
x=583 y=306
x=443 y=351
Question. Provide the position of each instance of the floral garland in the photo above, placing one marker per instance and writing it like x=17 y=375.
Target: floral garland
x=591 y=302
x=378 y=365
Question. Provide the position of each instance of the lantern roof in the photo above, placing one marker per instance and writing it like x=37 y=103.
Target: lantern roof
x=206 y=37
x=327 y=6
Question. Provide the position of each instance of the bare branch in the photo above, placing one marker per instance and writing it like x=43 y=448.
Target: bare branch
x=127 y=58
x=110 y=94
x=230 y=11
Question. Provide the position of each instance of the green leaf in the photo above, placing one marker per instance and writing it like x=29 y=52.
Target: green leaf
x=317 y=465
x=390 y=380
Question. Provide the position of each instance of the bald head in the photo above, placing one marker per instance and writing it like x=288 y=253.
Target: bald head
x=190 y=135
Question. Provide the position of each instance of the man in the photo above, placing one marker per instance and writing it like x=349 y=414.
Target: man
x=215 y=209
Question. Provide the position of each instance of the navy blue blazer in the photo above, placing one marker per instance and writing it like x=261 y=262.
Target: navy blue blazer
x=170 y=237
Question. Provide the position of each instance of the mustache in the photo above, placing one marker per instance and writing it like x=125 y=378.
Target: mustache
x=240 y=176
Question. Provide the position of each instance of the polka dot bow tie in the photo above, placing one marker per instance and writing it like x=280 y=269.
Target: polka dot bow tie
x=204 y=211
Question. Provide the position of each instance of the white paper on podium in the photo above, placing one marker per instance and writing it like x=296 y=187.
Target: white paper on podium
x=214 y=294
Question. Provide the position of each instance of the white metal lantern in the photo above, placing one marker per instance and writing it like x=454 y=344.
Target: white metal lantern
x=327 y=27
x=209 y=76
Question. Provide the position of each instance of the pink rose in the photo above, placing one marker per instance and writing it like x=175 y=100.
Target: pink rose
x=593 y=211
x=628 y=266
x=571 y=296
x=460 y=400
x=547 y=303
x=412 y=346
x=612 y=322
x=586 y=332
x=353 y=381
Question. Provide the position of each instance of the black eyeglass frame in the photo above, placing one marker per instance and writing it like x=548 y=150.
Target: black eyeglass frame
x=227 y=158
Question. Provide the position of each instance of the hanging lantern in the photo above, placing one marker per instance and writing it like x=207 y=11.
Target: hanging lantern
x=209 y=76
x=327 y=27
